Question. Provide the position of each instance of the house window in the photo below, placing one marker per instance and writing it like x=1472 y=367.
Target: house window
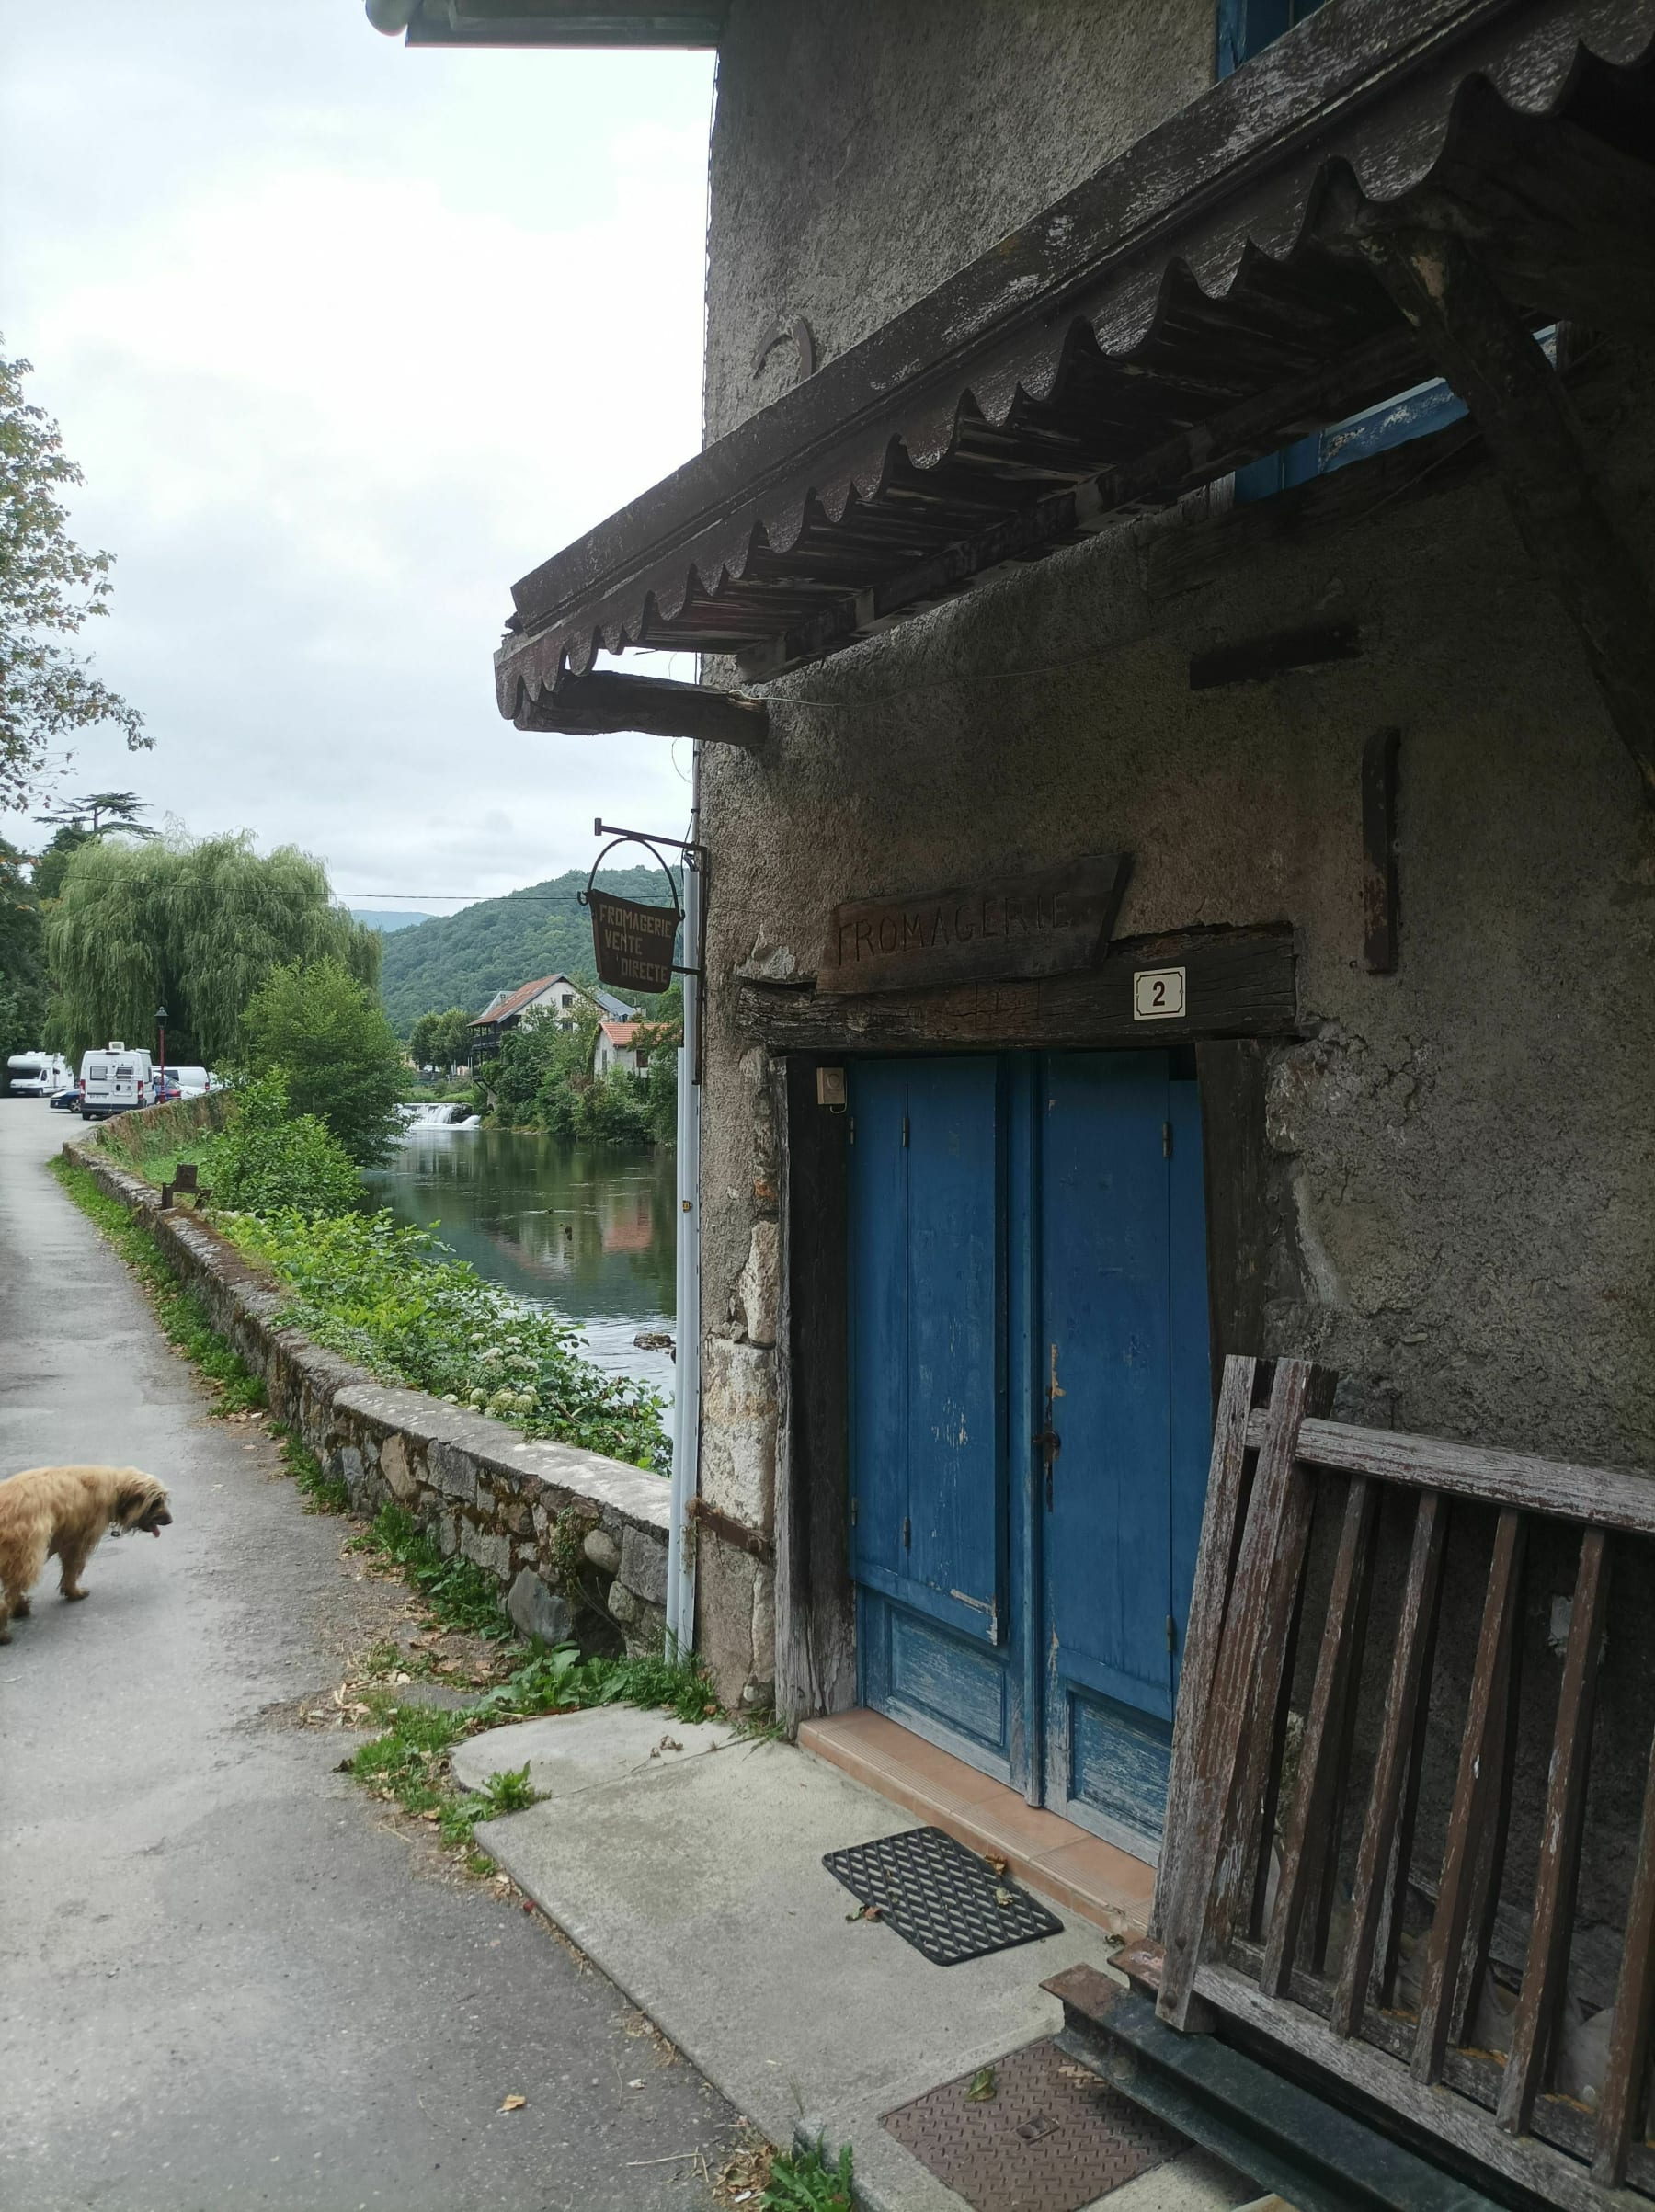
x=1245 y=29
x=1248 y=26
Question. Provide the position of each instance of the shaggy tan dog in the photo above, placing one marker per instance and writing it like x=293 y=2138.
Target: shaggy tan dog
x=65 y=1510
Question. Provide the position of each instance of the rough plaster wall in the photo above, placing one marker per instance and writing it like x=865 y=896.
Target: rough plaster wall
x=865 y=149
x=1468 y=1145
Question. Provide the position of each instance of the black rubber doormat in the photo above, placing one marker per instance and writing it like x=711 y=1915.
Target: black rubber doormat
x=1032 y=2133
x=941 y=1897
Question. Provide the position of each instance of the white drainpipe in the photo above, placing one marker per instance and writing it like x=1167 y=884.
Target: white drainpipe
x=686 y=1412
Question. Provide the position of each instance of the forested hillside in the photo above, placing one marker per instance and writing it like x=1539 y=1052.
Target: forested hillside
x=464 y=959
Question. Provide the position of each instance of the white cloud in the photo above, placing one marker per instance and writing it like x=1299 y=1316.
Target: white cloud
x=346 y=337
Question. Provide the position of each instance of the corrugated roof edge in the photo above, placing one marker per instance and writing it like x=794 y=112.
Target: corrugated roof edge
x=1235 y=174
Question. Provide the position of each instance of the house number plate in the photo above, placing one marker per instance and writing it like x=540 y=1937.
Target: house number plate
x=1157 y=993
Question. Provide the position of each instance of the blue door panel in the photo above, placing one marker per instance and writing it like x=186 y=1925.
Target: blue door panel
x=956 y=1433
x=1105 y=1352
x=878 y=1320
x=957 y=1685
x=1192 y=1350
x=1120 y=1763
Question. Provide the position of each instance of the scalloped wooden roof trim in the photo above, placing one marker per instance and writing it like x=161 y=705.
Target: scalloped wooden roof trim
x=1193 y=214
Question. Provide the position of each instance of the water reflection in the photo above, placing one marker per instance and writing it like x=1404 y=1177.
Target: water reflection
x=588 y=1230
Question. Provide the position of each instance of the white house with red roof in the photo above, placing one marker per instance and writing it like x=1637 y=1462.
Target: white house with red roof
x=624 y=1044
x=549 y=997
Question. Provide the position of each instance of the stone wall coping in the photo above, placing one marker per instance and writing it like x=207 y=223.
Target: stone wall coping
x=628 y=1492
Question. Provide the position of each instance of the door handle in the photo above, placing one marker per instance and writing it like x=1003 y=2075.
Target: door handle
x=1048 y=1443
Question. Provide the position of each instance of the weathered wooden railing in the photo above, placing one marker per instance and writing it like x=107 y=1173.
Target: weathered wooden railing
x=1292 y=1856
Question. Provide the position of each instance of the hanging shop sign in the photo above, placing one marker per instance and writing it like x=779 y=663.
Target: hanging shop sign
x=633 y=944
x=1042 y=923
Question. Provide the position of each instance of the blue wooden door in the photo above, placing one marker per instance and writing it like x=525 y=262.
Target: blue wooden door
x=928 y=1427
x=1124 y=1384
x=1030 y=1413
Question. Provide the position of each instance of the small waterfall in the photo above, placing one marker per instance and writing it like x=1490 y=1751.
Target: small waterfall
x=449 y=1115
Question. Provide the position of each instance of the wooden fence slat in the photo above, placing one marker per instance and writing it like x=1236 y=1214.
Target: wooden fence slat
x=1547 y=1962
x=1245 y=1871
x=1488 y=1862
x=1611 y=1497
x=1625 y=2078
x=1404 y=1708
x=1326 y=1893
x=1476 y=1795
x=1214 y=1563
x=1246 y=1679
x=1336 y=1667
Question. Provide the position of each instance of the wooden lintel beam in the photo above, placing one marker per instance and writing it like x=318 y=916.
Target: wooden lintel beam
x=610 y=700
x=1520 y=403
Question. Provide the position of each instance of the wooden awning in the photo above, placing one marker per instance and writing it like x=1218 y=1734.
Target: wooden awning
x=1195 y=305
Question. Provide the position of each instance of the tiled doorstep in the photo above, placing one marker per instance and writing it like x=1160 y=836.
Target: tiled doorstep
x=1077 y=1870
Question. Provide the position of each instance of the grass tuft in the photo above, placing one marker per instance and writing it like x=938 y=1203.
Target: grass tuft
x=322 y=1492
x=457 y=1591
x=802 y=2181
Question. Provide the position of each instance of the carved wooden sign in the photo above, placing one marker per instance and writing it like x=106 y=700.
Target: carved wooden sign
x=632 y=945
x=1043 y=923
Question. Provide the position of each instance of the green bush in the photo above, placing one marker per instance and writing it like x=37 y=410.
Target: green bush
x=269 y=1160
x=613 y=1110
x=326 y=1035
x=398 y=1301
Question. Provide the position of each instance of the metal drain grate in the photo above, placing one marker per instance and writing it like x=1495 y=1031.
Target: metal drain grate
x=1050 y=2138
x=941 y=1897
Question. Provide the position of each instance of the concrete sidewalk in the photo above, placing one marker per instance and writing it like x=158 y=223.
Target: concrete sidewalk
x=687 y=1863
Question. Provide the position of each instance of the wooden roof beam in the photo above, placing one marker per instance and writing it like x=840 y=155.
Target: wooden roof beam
x=1551 y=484
x=610 y=700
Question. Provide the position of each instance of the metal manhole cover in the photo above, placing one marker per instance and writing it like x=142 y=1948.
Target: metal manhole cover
x=939 y=1897
x=1051 y=2137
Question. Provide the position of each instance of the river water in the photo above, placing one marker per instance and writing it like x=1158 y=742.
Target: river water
x=587 y=1230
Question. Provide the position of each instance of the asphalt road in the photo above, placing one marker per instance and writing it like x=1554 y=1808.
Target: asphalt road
x=223 y=1981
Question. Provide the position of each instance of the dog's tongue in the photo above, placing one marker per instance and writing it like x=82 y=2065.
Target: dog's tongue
x=156 y=1535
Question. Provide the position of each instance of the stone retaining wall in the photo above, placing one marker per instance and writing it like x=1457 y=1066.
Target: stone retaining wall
x=559 y=1529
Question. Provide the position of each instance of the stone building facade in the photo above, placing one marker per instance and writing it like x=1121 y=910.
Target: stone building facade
x=1457 y=1154
x=1171 y=552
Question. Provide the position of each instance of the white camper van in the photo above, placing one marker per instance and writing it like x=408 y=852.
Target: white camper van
x=114 y=1079
x=37 y=1075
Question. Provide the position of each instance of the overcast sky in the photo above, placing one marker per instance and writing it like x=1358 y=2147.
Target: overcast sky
x=345 y=336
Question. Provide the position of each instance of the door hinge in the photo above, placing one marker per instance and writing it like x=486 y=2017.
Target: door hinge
x=1172 y=1634
x=850 y=1127
x=1166 y=1140
x=853 y=1513
x=904 y=1130
x=907 y=1532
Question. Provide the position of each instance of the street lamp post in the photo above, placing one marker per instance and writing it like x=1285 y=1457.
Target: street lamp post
x=160 y=1051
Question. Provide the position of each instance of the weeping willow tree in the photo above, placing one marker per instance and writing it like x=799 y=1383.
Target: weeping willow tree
x=194 y=926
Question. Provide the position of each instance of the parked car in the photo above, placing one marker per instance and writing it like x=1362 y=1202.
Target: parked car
x=65 y=1102
x=187 y=1082
x=115 y=1079
x=37 y=1075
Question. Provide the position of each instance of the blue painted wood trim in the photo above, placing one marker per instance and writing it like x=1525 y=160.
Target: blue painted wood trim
x=1028 y=1749
x=967 y=1614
